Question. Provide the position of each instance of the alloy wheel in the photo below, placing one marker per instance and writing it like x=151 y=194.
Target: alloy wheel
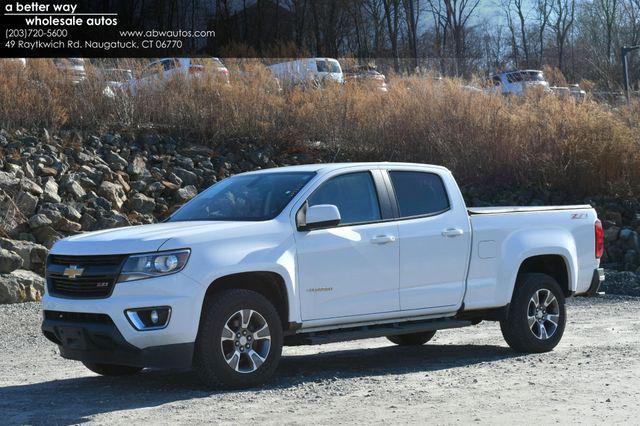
x=245 y=341
x=543 y=314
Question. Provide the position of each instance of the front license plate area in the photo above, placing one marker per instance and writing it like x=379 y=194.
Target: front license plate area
x=72 y=337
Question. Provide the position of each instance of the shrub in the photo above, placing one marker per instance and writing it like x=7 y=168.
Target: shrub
x=538 y=141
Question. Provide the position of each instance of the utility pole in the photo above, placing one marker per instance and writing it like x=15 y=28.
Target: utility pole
x=625 y=69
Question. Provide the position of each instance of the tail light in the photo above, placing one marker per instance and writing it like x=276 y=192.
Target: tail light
x=599 y=239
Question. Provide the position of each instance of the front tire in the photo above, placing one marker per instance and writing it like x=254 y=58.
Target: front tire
x=413 y=339
x=537 y=314
x=111 y=369
x=240 y=340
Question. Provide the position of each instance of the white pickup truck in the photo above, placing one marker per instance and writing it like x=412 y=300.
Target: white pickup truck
x=314 y=254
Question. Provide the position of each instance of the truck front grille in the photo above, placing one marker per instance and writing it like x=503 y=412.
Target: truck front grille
x=83 y=277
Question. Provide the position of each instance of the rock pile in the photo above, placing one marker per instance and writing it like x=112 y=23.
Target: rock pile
x=53 y=186
x=56 y=186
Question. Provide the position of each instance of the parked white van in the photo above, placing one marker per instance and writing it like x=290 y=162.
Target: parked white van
x=316 y=70
x=517 y=82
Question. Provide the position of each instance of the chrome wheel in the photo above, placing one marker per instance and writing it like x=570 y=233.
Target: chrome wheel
x=543 y=314
x=245 y=341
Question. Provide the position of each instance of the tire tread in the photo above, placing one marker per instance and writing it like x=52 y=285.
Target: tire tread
x=512 y=331
x=209 y=372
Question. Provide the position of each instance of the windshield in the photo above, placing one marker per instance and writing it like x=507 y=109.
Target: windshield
x=328 y=65
x=253 y=197
x=525 y=76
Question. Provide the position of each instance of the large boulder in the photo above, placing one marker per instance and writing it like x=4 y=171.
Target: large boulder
x=46 y=235
x=74 y=189
x=34 y=256
x=11 y=218
x=9 y=182
x=21 y=286
x=67 y=226
x=9 y=261
x=38 y=220
x=186 y=193
x=30 y=186
x=138 y=167
x=611 y=234
x=26 y=202
x=115 y=160
x=113 y=192
x=50 y=191
x=187 y=177
x=629 y=239
x=142 y=204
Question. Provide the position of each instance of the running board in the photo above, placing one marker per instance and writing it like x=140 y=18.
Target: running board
x=372 y=331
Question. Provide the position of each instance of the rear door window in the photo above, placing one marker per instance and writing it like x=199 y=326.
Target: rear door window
x=353 y=193
x=419 y=193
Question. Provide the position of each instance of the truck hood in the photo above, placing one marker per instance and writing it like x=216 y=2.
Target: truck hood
x=139 y=239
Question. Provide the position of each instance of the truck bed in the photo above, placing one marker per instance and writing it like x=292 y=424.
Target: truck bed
x=501 y=237
x=522 y=209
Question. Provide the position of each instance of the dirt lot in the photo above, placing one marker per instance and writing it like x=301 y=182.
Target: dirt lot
x=462 y=376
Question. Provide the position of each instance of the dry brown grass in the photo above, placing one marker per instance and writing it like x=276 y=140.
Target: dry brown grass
x=540 y=141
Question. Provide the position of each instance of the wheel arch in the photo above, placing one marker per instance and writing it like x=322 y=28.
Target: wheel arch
x=269 y=284
x=546 y=250
x=554 y=265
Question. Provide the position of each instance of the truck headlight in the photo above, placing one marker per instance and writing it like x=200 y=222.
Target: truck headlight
x=150 y=265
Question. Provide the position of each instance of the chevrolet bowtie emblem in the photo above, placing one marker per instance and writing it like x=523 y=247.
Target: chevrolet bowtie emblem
x=73 y=271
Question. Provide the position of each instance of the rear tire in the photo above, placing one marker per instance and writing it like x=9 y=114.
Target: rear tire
x=111 y=369
x=413 y=339
x=537 y=315
x=240 y=340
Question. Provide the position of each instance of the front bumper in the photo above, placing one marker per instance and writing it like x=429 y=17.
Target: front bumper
x=96 y=339
x=116 y=340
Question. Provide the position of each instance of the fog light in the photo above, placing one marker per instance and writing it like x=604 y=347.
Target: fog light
x=144 y=319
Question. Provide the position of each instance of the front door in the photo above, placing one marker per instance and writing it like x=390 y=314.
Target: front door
x=351 y=269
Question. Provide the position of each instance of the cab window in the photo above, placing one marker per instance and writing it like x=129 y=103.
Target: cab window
x=353 y=193
x=419 y=193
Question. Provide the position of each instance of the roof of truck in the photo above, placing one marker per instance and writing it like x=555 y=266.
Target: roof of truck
x=326 y=167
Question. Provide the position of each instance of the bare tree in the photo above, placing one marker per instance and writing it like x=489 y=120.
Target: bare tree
x=299 y=9
x=508 y=13
x=375 y=12
x=392 y=14
x=458 y=14
x=519 y=7
x=412 y=16
x=543 y=9
x=440 y=18
x=564 y=15
x=608 y=13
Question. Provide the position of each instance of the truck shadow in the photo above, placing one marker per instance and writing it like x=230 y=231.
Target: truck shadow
x=75 y=400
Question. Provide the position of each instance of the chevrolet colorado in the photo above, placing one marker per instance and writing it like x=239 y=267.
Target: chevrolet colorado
x=314 y=254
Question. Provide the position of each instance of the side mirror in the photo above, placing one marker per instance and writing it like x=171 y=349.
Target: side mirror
x=321 y=216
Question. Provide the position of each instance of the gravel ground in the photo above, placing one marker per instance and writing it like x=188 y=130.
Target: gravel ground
x=621 y=282
x=463 y=376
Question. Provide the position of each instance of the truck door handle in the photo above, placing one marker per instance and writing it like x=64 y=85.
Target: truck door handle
x=383 y=239
x=452 y=232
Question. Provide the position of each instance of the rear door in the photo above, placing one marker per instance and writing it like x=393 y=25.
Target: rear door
x=435 y=239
